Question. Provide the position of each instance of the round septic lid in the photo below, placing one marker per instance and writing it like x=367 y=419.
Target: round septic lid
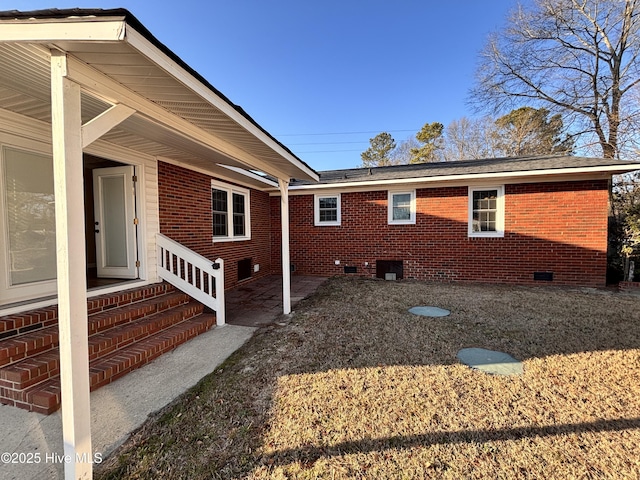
x=490 y=361
x=429 y=311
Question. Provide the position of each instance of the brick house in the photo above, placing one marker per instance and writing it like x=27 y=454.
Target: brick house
x=512 y=220
x=132 y=192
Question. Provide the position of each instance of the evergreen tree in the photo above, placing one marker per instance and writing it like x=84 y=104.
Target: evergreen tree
x=379 y=153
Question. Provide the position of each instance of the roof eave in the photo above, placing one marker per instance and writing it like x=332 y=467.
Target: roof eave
x=607 y=170
x=196 y=83
x=49 y=30
x=118 y=25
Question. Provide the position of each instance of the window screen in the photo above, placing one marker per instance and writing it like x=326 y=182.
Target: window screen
x=402 y=206
x=328 y=209
x=219 y=207
x=238 y=215
x=485 y=208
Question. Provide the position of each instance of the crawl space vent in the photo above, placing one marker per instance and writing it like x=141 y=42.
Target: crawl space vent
x=385 y=267
x=244 y=269
x=543 y=276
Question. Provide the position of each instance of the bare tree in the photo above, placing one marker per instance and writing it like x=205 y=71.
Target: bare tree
x=401 y=155
x=624 y=225
x=575 y=57
x=470 y=139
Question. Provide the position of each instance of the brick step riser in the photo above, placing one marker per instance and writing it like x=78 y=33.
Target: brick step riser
x=110 y=319
x=18 y=324
x=31 y=372
x=45 y=398
x=99 y=346
x=148 y=351
x=18 y=348
x=39 y=369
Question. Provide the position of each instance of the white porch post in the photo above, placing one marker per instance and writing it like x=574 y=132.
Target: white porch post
x=286 y=261
x=66 y=128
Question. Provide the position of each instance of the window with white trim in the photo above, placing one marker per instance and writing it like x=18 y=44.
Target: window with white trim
x=486 y=211
x=230 y=209
x=402 y=208
x=326 y=210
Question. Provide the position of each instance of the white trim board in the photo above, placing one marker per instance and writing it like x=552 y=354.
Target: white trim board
x=96 y=29
x=536 y=176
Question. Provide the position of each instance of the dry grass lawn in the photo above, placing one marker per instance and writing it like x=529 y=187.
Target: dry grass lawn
x=354 y=386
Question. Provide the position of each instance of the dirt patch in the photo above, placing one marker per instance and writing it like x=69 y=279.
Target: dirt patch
x=354 y=386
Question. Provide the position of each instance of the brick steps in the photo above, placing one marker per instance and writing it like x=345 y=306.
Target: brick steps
x=107 y=319
x=40 y=367
x=15 y=348
x=126 y=331
x=114 y=339
x=13 y=325
x=45 y=396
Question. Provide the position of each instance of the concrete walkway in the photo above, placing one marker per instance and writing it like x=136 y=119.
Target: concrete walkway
x=258 y=303
x=121 y=407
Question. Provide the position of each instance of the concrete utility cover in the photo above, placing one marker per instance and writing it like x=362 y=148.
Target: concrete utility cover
x=489 y=361
x=429 y=311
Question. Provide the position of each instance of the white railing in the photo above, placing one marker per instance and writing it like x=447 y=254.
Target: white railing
x=195 y=275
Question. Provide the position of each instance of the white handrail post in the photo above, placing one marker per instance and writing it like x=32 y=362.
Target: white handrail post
x=220 y=310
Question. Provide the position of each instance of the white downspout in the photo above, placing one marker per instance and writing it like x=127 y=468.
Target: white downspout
x=66 y=130
x=286 y=260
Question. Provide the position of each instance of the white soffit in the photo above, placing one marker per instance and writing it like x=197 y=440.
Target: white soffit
x=116 y=50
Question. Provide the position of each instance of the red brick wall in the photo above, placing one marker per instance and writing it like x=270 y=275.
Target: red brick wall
x=186 y=217
x=556 y=227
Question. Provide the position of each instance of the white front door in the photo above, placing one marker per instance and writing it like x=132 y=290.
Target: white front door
x=115 y=222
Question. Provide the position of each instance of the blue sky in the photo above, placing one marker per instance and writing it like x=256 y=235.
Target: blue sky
x=304 y=69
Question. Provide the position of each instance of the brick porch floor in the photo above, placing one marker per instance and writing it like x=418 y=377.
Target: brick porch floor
x=259 y=303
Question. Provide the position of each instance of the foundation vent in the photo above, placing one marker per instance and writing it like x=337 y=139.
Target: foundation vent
x=384 y=267
x=543 y=276
x=244 y=269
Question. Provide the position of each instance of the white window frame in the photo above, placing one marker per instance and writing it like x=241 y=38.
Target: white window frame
x=412 y=218
x=23 y=291
x=499 y=232
x=316 y=210
x=231 y=189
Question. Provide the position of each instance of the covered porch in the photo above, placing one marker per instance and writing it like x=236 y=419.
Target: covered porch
x=96 y=82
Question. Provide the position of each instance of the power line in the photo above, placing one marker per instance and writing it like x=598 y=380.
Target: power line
x=328 y=151
x=327 y=143
x=340 y=133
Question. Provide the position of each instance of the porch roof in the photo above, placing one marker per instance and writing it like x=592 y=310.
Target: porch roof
x=179 y=115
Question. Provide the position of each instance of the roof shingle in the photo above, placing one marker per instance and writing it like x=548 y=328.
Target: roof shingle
x=466 y=167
